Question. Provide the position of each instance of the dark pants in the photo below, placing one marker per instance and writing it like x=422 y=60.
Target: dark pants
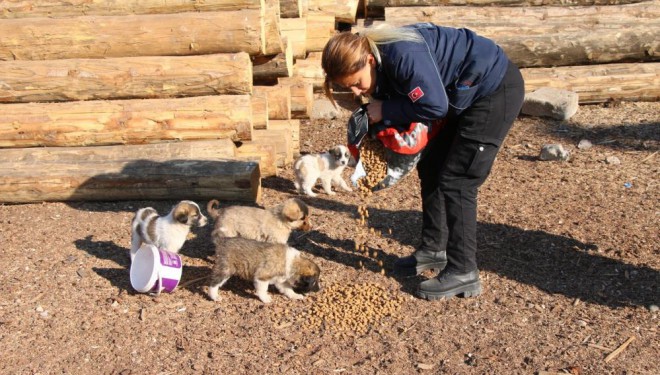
x=457 y=162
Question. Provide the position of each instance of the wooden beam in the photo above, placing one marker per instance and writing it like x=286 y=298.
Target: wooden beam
x=125 y=121
x=176 y=34
x=125 y=78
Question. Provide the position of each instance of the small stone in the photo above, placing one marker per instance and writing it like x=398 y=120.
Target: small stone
x=551 y=152
x=654 y=308
x=39 y=309
x=613 y=160
x=585 y=144
x=581 y=323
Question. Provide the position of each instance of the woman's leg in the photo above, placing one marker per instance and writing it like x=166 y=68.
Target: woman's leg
x=481 y=130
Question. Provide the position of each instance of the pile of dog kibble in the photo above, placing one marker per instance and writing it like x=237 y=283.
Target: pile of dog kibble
x=350 y=309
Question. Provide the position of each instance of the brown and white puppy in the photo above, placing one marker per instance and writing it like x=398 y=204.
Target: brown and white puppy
x=264 y=264
x=327 y=167
x=270 y=225
x=165 y=232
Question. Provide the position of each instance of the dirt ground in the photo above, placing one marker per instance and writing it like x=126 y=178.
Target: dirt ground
x=568 y=254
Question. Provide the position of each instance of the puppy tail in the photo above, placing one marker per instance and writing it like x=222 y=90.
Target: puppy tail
x=212 y=209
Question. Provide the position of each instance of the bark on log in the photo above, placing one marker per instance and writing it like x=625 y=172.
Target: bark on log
x=125 y=121
x=600 y=83
x=75 y=8
x=125 y=78
x=142 y=35
x=320 y=28
x=263 y=152
x=290 y=8
x=259 y=110
x=279 y=101
x=295 y=30
x=177 y=178
x=302 y=97
x=267 y=69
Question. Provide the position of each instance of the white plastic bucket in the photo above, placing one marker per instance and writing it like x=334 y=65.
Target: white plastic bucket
x=155 y=270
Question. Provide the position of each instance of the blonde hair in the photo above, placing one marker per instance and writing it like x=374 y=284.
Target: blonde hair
x=346 y=53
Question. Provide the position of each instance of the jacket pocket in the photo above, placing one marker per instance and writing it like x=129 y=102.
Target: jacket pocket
x=462 y=97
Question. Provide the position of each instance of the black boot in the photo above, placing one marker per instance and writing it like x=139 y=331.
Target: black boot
x=450 y=283
x=419 y=261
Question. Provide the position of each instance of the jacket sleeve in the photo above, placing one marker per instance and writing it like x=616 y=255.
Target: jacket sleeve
x=421 y=93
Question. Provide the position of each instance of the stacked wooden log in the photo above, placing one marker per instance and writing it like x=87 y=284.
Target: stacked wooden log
x=604 y=52
x=154 y=99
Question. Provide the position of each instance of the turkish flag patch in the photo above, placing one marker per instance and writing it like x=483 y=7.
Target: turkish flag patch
x=415 y=94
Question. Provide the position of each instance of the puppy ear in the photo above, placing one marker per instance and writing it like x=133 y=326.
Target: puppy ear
x=181 y=216
x=334 y=151
x=294 y=209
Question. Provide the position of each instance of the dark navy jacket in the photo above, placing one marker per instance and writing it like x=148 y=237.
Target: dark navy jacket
x=445 y=74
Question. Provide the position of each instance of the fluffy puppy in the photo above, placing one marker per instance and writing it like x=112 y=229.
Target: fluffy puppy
x=264 y=264
x=272 y=225
x=327 y=167
x=165 y=232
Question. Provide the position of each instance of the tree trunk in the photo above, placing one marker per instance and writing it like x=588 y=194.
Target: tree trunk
x=272 y=33
x=281 y=139
x=263 y=152
x=295 y=30
x=75 y=8
x=267 y=69
x=259 y=110
x=125 y=121
x=600 y=83
x=376 y=8
x=279 y=101
x=320 y=28
x=143 y=35
x=461 y=16
x=302 y=97
x=125 y=78
x=310 y=70
x=110 y=175
x=293 y=126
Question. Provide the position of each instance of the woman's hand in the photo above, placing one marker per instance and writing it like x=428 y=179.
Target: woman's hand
x=375 y=111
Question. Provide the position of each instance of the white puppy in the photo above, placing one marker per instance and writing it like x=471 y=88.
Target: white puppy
x=327 y=167
x=165 y=232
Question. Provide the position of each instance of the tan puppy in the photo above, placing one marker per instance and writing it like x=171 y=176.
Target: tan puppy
x=265 y=264
x=271 y=225
x=165 y=232
x=327 y=167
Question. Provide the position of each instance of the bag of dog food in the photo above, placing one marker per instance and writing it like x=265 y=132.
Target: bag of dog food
x=402 y=148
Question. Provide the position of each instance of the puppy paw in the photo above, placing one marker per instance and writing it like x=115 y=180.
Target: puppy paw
x=331 y=192
x=295 y=296
x=265 y=299
x=213 y=294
